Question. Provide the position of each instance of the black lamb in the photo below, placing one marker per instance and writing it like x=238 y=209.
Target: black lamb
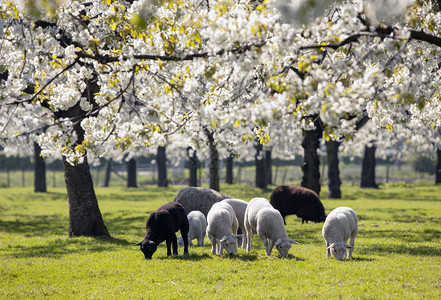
x=303 y=202
x=161 y=226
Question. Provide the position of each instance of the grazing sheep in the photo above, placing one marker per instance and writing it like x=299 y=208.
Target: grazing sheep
x=303 y=202
x=267 y=222
x=198 y=226
x=239 y=207
x=340 y=224
x=161 y=226
x=198 y=198
x=221 y=229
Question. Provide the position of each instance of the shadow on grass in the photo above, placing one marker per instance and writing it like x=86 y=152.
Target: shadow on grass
x=187 y=257
x=58 y=247
x=36 y=225
x=357 y=259
x=411 y=249
x=427 y=235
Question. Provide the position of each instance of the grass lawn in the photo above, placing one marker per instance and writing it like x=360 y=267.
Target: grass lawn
x=397 y=252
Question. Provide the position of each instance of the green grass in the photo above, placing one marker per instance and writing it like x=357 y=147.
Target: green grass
x=397 y=255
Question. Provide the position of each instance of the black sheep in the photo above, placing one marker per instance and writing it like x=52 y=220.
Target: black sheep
x=161 y=226
x=303 y=202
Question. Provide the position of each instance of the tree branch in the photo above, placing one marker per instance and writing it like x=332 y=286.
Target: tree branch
x=43 y=87
x=425 y=37
x=104 y=59
x=381 y=33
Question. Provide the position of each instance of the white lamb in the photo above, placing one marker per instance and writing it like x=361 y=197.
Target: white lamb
x=267 y=222
x=239 y=207
x=198 y=226
x=222 y=228
x=340 y=224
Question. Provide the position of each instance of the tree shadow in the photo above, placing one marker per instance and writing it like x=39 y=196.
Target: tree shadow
x=37 y=225
x=427 y=235
x=187 y=257
x=58 y=247
x=411 y=249
x=357 y=259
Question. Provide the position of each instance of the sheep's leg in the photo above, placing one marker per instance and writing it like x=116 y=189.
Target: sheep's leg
x=213 y=244
x=202 y=239
x=249 y=234
x=184 y=234
x=244 y=239
x=270 y=247
x=220 y=249
x=168 y=243
x=175 y=245
x=352 y=242
x=265 y=244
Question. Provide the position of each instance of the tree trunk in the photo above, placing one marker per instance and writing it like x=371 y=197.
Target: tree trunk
x=161 y=160
x=229 y=169
x=107 y=173
x=193 y=167
x=214 y=162
x=131 y=173
x=259 y=160
x=39 y=170
x=368 y=168
x=84 y=214
x=311 y=160
x=438 y=167
x=268 y=167
x=334 y=181
x=85 y=218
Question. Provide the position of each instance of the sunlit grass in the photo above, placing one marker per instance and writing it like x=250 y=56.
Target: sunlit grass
x=397 y=255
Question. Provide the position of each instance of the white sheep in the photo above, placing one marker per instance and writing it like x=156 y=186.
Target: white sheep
x=340 y=225
x=239 y=207
x=198 y=226
x=267 y=222
x=222 y=228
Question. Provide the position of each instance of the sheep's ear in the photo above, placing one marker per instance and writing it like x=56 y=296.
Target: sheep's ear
x=278 y=242
x=223 y=239
x=237 y=236
x=331 y=246
x=152 y=243
x=137 y=244
x=348 y=246
x=293 y=242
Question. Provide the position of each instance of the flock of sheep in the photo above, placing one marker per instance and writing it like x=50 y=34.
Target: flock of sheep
x=197 y=212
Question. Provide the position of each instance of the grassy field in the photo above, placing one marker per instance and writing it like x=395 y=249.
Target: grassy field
x=397 y=254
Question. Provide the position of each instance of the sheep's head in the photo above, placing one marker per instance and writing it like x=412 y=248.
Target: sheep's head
x=148 y=247
x=339 y=250
x=321 y=218
x=283 y=246
x=229 y=243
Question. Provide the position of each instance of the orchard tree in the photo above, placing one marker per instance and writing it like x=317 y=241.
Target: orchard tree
x=92 y=76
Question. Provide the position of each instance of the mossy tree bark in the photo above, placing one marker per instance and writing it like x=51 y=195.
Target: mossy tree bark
x=438 y=167
x=229 y=169
x=311 y=160
x=368 y=168
x=193 y=167
x=259 y=161
x=161 y=159
x=131 y=173
x=39 y=170
x=213 y=165
x=85 y=217
x=334 y=182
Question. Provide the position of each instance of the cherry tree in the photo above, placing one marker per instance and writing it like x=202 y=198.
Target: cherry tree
x=87 y=77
